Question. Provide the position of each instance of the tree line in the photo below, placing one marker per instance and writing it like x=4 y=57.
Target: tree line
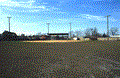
x=93 y=32
x=89 y=33
x=11 y=36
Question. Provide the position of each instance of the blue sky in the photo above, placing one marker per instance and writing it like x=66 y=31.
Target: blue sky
x=30 y=16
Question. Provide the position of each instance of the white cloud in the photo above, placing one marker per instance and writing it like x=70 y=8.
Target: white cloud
x=20 y=28
x=28 y=4
x=93 y=17
x=3 y=0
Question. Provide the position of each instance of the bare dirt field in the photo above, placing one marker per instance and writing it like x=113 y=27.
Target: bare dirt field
x=87 y=59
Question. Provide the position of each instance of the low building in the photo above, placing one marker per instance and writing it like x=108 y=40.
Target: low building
x=115 y=37
x=44 y=37
x=56 y=36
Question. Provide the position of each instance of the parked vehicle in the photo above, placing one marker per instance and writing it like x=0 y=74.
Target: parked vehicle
x=76 y=38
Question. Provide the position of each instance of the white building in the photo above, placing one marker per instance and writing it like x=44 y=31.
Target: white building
x=117 y=36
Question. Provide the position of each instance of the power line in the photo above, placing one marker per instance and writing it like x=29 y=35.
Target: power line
x=9 y=22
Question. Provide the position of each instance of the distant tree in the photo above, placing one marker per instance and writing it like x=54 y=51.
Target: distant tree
x=78 y=33
x=91 y=33
x=88 y=32
x=72 y=32
x=57 y=37
x=8 y=36
x=39 y=33
x=104 y=35
x=0 y=35
x=99 y=35
x=94 y=32
x=36 y=37
x=22 y=35
x=114 y=30
x=73 y=35
x=43 y=33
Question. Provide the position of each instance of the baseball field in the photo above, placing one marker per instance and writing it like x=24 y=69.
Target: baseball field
x=60 y=59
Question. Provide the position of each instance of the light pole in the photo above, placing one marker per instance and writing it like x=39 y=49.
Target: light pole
x=9 y=22
x=48 y=27
x=70 y=30
x=108 y=25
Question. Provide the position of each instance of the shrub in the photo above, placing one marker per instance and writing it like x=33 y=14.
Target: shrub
x=93 y=38
x=8 y=36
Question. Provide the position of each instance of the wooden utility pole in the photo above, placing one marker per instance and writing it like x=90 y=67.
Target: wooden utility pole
x=9 y=22
x=108 y=25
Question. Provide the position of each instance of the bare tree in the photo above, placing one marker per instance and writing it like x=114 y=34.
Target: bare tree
x=72 y=33
x=104 y=35
x=94 y=32
x=91 y=32
x=44 y=34
x=114 y=30
x=78 y=33
x=22 y=35
x=39 y=33
x=88 y=32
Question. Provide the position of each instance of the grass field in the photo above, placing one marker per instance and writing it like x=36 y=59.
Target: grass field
x=68 y=59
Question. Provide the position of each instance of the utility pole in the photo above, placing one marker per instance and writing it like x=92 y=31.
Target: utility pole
x=70 y=30
x=48 y=27
x=108 y=25
x=9 y=22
